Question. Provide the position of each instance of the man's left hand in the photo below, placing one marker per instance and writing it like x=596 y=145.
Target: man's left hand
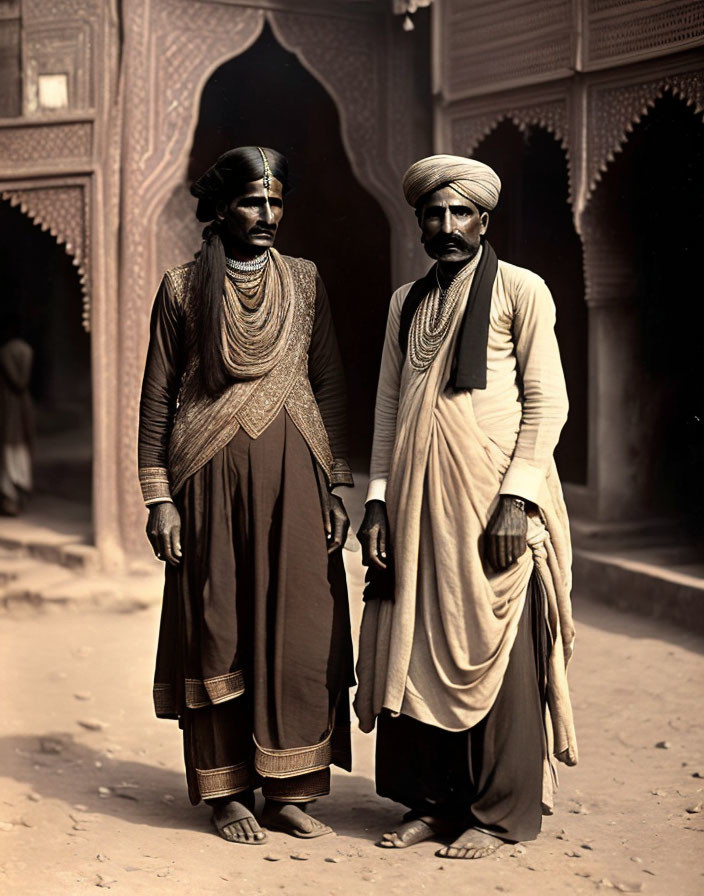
x=337 y=524
x=506 y=533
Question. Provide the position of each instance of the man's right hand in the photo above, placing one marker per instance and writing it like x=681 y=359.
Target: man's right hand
x=164 y=532
x=373 y=535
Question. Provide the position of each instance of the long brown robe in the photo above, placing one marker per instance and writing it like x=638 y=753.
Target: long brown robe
x=255 y=654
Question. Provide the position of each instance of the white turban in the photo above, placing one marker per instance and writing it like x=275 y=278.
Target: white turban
x=472 y=179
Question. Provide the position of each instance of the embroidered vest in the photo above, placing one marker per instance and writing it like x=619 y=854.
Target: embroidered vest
x=204 y=425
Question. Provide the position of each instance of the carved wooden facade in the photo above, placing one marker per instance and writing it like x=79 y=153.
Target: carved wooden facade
x=99 y=163
x=102 y=170
x=586 y=71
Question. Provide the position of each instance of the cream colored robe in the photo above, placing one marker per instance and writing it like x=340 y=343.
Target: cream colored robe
x=438 y=653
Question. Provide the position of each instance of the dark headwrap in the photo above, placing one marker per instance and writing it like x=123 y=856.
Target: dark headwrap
x=229 y=174
x=223 y=181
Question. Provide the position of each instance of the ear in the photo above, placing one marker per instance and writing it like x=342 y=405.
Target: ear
x=485 y=222
x=220 y=209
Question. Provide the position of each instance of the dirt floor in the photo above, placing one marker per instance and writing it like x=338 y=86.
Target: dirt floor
x=92 y=790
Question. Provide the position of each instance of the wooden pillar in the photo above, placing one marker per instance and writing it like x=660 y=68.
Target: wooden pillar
x=621 y=405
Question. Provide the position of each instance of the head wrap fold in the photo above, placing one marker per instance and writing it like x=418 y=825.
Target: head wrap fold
x=470 y=178
x=232 y=171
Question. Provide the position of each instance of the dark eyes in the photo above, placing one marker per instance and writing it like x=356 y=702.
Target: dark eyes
x=459 y=211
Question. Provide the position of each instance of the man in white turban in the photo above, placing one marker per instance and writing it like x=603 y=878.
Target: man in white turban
x=467 y=626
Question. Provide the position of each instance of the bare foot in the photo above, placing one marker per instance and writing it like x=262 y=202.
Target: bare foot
x=235 y=823
x=416 y=830
x=290 y=818
x=473 y=844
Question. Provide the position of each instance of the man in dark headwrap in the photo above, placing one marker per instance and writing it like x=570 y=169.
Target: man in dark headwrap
x=242 y=441
x=467 y=627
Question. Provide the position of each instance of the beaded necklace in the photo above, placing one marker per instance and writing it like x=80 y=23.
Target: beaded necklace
x=244 y=267
x=257 y=317
x=434 y=316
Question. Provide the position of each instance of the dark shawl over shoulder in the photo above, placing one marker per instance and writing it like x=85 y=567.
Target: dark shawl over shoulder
x=469 y=364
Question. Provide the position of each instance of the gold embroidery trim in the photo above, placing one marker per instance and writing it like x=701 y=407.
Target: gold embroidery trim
x=154 y=482
x=218 y=689
x=294 y=761
x=304 y=412
x=164 y=700
x=227 y=779
x=341 y=474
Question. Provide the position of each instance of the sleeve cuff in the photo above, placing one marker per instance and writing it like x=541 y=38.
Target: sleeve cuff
x=340 y=474
x=523 y=480
x=154 y=482
x=376 y=490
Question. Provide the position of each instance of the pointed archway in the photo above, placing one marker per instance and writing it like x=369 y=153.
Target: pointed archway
x=533 y=227
x=644 y=228
x=330 y=218
x=43 y=288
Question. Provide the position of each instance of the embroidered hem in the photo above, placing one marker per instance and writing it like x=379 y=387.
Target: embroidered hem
x=216 y=782
x=294 y=761
x=198 y=693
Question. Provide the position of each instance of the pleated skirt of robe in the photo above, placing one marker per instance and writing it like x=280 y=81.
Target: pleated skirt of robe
x=256 y=616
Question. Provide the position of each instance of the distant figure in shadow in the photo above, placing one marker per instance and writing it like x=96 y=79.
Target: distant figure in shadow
x=16 y=417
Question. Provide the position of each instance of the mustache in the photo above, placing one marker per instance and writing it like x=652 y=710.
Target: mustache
x=447 y=241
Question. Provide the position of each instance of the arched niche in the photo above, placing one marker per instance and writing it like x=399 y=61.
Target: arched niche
x=42 y=286
x=643 y=232
x=533 y=227
x=329 y=217
x=349 y=55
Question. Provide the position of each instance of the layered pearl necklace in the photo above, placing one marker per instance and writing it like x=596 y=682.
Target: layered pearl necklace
x=258 y=314
x=247 y=267
x=248 y=277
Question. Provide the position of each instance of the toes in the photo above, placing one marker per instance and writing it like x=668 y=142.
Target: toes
x=254 y=833
x=390 y=841
x=243 y=832
x=231 y=832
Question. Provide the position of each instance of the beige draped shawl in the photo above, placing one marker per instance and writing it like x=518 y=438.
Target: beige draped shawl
x=438 y=653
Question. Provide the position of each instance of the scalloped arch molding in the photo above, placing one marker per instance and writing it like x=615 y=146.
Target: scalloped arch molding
x=59 y=211
x=619 y=110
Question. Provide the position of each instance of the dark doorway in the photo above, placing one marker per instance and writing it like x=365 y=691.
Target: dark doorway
x=42 y=287
x=653 y=198
x=266 y=97
x=532 y=227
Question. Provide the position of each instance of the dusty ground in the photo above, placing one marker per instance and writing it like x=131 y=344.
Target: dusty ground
x=92 y=791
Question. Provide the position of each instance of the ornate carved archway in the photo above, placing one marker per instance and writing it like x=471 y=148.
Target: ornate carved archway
x=161 y=94
x=63 y=211
x=615 y=111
